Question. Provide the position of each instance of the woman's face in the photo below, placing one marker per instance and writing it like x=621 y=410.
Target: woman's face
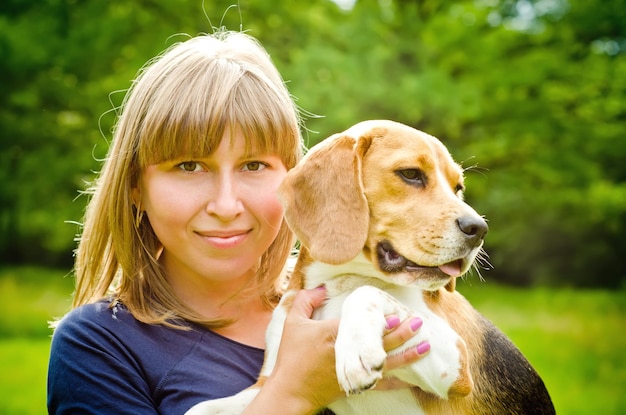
x=214 y=216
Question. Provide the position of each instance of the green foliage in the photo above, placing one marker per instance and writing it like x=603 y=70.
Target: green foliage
x=529 y=93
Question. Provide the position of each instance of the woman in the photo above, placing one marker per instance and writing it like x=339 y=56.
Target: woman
x=183 y=246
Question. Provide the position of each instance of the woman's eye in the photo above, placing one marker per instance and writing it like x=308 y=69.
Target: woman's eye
x=254 y=166
x=189 y=166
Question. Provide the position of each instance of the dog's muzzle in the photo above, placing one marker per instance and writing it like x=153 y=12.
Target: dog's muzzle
x=389 y=260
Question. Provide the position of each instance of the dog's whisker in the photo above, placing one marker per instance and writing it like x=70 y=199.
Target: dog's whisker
x=475 y=168
x=476 y=268
x=481 y=262
x=482 y=259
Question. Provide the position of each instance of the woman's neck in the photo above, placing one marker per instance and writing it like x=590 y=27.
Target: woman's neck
x=249 y=328
x=234 y=301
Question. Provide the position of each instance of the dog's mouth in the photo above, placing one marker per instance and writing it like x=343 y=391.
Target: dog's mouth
x=391 y=261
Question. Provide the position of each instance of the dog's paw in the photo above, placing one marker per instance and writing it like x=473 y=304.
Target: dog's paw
x=359 y=365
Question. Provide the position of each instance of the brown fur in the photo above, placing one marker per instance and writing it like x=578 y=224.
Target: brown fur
x=341 y=239
x=345 y=201
x=505 y=383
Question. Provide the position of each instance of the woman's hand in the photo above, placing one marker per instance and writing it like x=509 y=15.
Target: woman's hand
x=304 y=378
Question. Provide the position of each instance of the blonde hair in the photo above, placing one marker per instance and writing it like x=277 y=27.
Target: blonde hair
x=179 y=106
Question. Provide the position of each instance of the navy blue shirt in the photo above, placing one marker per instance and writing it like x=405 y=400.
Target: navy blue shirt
x=104 y=361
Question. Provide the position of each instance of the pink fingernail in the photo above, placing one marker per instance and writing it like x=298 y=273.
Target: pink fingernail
x=392 y=322
x=416 y=323
x=423 y=347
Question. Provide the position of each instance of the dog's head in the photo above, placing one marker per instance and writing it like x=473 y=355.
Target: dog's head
x=390 y=192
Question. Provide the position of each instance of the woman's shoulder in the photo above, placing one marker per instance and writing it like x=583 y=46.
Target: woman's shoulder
x=101 y=314
x=105 y=336
x=108 y=322
x=104 y=340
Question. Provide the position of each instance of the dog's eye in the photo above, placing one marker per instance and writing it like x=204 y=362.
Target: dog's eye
x=413 y=177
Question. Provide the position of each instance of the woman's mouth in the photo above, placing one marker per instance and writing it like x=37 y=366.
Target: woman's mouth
x=224 y=239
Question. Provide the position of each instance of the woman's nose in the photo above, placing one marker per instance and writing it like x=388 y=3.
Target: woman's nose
x=225 y=202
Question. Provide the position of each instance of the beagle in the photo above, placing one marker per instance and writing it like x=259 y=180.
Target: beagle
x=380 y=215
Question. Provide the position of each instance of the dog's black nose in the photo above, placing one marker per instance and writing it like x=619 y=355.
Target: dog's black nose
x=474 y=227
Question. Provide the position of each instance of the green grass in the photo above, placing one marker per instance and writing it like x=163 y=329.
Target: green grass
x=23 y=368
x=576 y=339
x=29 y=298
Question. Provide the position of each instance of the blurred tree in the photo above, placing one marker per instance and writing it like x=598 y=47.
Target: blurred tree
x=528 y=91
x=552 y=109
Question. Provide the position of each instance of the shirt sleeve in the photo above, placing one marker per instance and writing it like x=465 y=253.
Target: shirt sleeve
x=91 y=372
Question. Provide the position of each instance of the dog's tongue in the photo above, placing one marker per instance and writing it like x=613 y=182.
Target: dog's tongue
x=453 y=268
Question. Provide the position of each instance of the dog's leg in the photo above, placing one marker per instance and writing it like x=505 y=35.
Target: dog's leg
x=359 y=348
x=359 y=351
x=274 y=332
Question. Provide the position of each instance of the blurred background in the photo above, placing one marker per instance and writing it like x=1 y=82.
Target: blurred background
x=528 y=95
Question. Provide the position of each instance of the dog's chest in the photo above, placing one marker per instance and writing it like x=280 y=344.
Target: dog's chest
x=339 y=288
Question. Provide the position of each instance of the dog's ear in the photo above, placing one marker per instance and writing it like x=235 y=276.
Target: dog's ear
x=324 y=201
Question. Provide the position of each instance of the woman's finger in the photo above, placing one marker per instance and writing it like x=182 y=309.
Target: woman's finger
x=305 y=301
x=398 y=332
x=407 y=356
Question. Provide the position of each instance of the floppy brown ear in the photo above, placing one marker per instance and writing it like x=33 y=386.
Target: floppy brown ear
x=324 y=201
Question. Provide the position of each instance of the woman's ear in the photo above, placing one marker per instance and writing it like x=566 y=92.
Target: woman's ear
x=324 y=201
